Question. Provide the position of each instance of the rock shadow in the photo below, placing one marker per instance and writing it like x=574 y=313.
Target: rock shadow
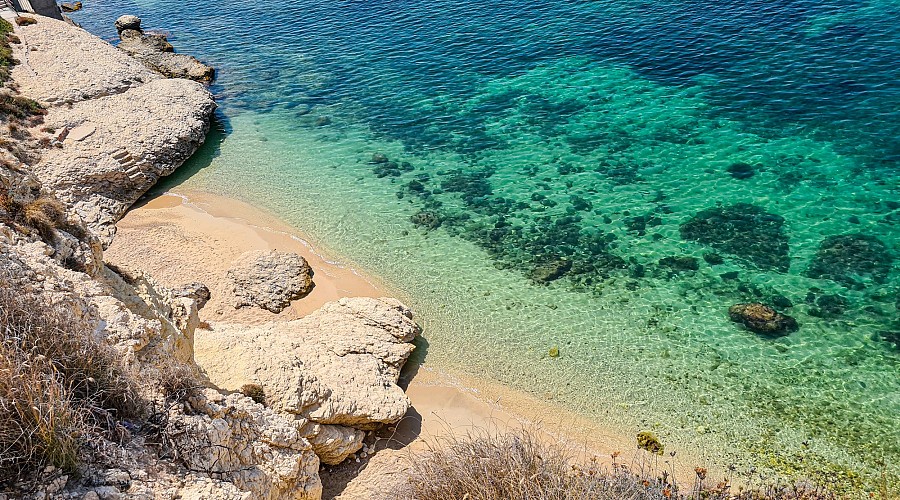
x=220 y=128
x=335 y=479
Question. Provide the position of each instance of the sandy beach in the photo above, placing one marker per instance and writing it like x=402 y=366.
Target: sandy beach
x=194 y=236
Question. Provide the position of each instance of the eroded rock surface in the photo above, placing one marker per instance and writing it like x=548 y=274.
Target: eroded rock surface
x=50 y=72
x=155 y=51
x=235 y=439
x=339 y=365
x=270 y=280
x=122 y=128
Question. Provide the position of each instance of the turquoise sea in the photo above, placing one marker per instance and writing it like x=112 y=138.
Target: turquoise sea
x=601 y=177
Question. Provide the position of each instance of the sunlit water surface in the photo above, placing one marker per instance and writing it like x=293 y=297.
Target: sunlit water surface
x=524 y=171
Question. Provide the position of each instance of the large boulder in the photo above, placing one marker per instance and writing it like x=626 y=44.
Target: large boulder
x=270 y=280
x=338 y=365
x=128 y=22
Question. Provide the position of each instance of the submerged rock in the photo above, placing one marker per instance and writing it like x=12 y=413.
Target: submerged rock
x=70 y=7
x=648 y=441
x=760 y=318
x=427 y=219
x=680 y=263
x=851 y=259
x=270 y=280
x=829 y=306
x=891 y=337
x=550 y=271
x=743 y=230
x=713 y=259
x=741 y=170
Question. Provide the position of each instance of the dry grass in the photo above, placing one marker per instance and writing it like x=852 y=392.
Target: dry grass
x=43 y=215
x=61 y=390
x=487 y=465
x=254 y=392
x=25 y=21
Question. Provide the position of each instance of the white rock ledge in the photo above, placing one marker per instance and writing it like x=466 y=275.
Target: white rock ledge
x=121 y=126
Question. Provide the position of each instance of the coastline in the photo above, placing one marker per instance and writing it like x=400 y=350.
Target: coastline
x=176 y=237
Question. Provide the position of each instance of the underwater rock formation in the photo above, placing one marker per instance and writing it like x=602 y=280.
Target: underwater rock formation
x=760 y=318
x=743 y=230
x=850 y=259
x=829 y=306
x=679 y=264
x=550 y=271
x=426 y=219
x=741 y=170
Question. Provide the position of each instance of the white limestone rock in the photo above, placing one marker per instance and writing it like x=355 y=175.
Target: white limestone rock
x=139 y=136
x=53 y=67
x=270 y=280
x=239 y=441
x=338 y=365
x=121 y=126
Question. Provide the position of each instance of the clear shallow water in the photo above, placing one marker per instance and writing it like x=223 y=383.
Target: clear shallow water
x=540 y=159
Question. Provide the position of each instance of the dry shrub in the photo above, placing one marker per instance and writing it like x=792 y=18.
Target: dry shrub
x=25 y=21
x=16 y=106
x=44 y=215
x=492 y=466
x=61 y=390
x=484 y=465
x=176 y=381
x=254 y=392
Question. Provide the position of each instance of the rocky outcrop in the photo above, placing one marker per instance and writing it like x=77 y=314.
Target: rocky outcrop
x=155 y=51
x=337 y=367
x=122 y=129
x=236 y=440
x=270 y=280
x=54 y=69
x=122 y=147
x=762 y=319
x=326 y=378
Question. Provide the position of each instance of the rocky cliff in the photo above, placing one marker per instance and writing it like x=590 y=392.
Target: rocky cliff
x=266 y=404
